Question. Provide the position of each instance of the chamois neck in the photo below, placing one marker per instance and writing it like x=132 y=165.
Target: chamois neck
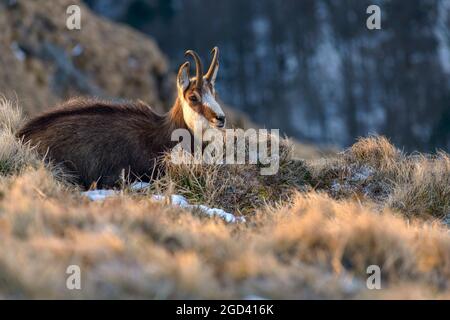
x=174 y=118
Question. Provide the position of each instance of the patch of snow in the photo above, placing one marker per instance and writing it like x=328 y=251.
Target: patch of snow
x=158 y=197
x=99 y=195
x=139 y=186
x=175 y=200
x=18 y=52
x=180 y=201
x=228 y=217
x=77 y=50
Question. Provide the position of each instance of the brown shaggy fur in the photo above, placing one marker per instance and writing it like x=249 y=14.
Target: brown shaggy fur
x=96 y=140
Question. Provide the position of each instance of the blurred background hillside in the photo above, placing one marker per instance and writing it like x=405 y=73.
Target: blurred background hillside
x=310 y=67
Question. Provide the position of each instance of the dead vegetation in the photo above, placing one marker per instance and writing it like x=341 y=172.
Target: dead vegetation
x=131 y=247
x=373 y=169
x=13 y=154
x=311 y=232
x=238 y=188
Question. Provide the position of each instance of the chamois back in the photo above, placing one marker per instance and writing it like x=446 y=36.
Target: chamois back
x=96 y=140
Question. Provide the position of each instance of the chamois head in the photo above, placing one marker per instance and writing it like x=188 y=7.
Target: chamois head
x=197 y=95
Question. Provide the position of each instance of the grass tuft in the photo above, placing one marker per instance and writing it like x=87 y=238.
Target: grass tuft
x=312 y=229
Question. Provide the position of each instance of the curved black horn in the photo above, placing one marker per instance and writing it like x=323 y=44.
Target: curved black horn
x=198 y=67
x=214 y=62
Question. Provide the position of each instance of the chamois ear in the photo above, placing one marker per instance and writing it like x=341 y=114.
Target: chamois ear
x=183 y=77
x=214 y=75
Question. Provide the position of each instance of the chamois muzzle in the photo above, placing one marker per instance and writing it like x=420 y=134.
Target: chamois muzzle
x=219 y=121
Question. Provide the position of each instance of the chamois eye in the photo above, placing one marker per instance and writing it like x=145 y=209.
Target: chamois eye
x=193 y=98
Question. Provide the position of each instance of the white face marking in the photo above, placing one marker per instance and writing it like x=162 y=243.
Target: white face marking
x=193 y=119
x=209 y=101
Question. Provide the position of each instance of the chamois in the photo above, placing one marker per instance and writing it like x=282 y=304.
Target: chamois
x=95 y=140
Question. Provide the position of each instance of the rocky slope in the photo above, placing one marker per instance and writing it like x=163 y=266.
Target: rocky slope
x=43 y=62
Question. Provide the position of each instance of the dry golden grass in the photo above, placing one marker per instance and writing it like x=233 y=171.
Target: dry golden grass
x=237 y=188
x=132 y=247
x=13 y=154
x=424 y=188
x=374 y=170
x=297 y=242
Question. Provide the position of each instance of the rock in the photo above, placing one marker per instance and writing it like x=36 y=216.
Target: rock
x=43 y=62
